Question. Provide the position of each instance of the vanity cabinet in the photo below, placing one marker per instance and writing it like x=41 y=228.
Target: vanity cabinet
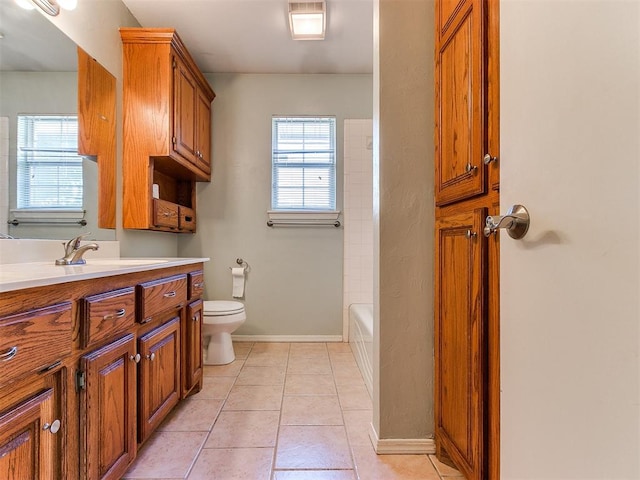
x=192 y=347
x=167 y=130
x=192 y=364
x=32 y=431
x=159 y=375
x=108 y=409
x=93 y=368
x=33 y=345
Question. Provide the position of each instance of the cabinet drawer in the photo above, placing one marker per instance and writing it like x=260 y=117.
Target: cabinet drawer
x=34 y=340
x=161 y=295
x=187 y=218
x=196 y=284
x=106 y=314
x=165 y=214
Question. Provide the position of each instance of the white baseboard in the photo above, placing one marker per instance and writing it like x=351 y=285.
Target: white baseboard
x=287 y=338
x=401 y=446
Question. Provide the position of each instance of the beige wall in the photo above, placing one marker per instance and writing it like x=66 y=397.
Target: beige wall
x=403 y=219
x=295 y=283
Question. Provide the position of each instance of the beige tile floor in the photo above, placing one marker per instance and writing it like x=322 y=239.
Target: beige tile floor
x=281 y=411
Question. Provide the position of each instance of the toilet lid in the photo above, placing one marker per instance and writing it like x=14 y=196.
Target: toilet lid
x=222 y=307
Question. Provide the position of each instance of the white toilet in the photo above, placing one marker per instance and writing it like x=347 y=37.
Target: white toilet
x=220 y=319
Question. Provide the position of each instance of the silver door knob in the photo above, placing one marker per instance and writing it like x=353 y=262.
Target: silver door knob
x=515 y=222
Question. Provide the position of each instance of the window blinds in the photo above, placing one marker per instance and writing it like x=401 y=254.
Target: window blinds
x=49 y=168
x=303 y=163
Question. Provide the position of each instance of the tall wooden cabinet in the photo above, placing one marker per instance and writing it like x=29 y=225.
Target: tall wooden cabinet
x=466 y=190
x=167 y=130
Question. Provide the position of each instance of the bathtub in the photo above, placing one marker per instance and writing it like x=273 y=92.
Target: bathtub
x=361 y=339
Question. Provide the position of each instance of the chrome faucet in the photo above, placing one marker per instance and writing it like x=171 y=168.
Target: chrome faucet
x=73 y=251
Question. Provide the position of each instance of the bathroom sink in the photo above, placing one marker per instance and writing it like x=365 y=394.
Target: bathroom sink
x=124 y=262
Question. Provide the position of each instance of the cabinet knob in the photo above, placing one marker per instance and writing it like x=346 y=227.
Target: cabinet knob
x=135 y=358
x=470 y=168
x=52 y=427
x=151 y=356
x=487 y=159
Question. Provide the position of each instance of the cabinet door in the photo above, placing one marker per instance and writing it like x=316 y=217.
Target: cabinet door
x=184 y=110
x=192 y=347
x=460 y=330
x=108 y=409
x=203 y=131
x=159 y=385
x=29 y=445
x=459 y=76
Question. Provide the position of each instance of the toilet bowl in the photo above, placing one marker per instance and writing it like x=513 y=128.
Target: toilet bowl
x=220 y=319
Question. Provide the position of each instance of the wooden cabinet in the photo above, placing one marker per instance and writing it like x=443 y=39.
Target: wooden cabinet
x=159 y=375
x=466 y=188
x=107 y=358
x=32 y=431
x=459 y=139
x=106 y=314
x=108 y=409
x=192 y=347
x=34 y=340
x=460 y=330
x=161 y=295
x=192 y=118
x=167 y=130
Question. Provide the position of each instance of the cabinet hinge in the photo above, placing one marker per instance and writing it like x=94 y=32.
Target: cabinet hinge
x=174 y=64
x=174 y=140
x=81 y=380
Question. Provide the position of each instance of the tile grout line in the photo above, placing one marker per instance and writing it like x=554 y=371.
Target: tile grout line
x=344 y=423
x=275 y=446
x=235 y=378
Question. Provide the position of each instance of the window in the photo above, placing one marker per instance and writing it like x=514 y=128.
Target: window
x=49 y=168
x=303 y=163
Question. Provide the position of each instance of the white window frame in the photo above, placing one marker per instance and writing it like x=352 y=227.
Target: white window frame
x=32 y=153
x=280 y=161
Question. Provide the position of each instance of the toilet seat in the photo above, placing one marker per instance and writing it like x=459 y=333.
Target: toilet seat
x=222 y=307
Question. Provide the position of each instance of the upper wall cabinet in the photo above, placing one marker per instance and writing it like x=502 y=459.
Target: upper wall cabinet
x=167 y=130
x=459 y=74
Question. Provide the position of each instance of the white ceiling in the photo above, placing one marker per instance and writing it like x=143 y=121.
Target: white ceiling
x=252 y=36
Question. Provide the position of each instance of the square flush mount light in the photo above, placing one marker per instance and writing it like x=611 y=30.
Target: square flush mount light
x=307 y=19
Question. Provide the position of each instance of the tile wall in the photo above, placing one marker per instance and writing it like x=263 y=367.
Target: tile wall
x=358 y=213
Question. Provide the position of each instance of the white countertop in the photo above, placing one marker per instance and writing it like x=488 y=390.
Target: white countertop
x=17 y=276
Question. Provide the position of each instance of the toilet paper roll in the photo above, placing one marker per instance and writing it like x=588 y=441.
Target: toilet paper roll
x=237 y=275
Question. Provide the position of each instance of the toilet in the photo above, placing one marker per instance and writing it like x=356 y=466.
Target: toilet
x=220 y=319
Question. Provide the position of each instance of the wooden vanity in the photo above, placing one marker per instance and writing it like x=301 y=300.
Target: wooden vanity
x=92 y=359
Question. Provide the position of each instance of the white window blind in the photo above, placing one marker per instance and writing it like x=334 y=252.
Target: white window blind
x=303 y=163
x=49 y=168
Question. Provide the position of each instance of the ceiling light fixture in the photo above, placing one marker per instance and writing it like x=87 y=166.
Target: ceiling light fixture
x=50 y=7
x=307 y=19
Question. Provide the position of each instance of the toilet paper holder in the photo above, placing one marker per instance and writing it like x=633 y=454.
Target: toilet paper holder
x=242 y=263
